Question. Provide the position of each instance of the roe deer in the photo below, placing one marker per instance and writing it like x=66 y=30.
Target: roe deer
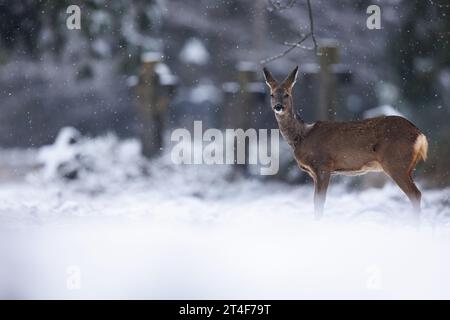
x=391 y=144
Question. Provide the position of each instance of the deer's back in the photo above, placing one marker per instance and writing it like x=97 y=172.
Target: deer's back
x=350 y=146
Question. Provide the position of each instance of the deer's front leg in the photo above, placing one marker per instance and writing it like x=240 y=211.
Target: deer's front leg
x=321 y=181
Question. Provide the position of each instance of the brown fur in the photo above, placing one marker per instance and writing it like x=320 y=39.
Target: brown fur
x=389 y=144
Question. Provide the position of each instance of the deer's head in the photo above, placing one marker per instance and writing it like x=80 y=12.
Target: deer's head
x=281 y=92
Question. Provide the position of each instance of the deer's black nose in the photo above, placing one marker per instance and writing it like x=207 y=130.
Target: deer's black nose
x=278 y=107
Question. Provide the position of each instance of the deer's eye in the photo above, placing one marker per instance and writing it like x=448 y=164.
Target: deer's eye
x=271 y=95
x=286 y=95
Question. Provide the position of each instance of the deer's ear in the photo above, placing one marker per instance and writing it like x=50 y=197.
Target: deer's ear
x=271 y=82
x=289 y=82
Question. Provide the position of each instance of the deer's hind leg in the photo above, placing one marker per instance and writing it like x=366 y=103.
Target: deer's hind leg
x=402 y=176
x=406 y=183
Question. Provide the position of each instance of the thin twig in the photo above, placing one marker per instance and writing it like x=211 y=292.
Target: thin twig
x=311 y=26
x=295 y=44
x=285 y=52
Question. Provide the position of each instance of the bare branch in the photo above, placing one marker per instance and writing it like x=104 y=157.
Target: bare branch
x=293 y=45
x=285 y=52
x=311 y=25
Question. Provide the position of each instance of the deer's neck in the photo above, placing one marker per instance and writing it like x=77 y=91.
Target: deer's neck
x=292 y=127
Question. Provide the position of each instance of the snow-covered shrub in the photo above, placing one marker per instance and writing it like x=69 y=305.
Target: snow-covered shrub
x=103 y=159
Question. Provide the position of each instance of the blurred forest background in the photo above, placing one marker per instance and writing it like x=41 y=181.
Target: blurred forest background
x=205 y=53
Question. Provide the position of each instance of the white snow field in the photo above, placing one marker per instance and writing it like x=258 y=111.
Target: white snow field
x=128 y=228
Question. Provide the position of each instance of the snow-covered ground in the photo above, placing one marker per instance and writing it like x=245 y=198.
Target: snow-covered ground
x=127 y=228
